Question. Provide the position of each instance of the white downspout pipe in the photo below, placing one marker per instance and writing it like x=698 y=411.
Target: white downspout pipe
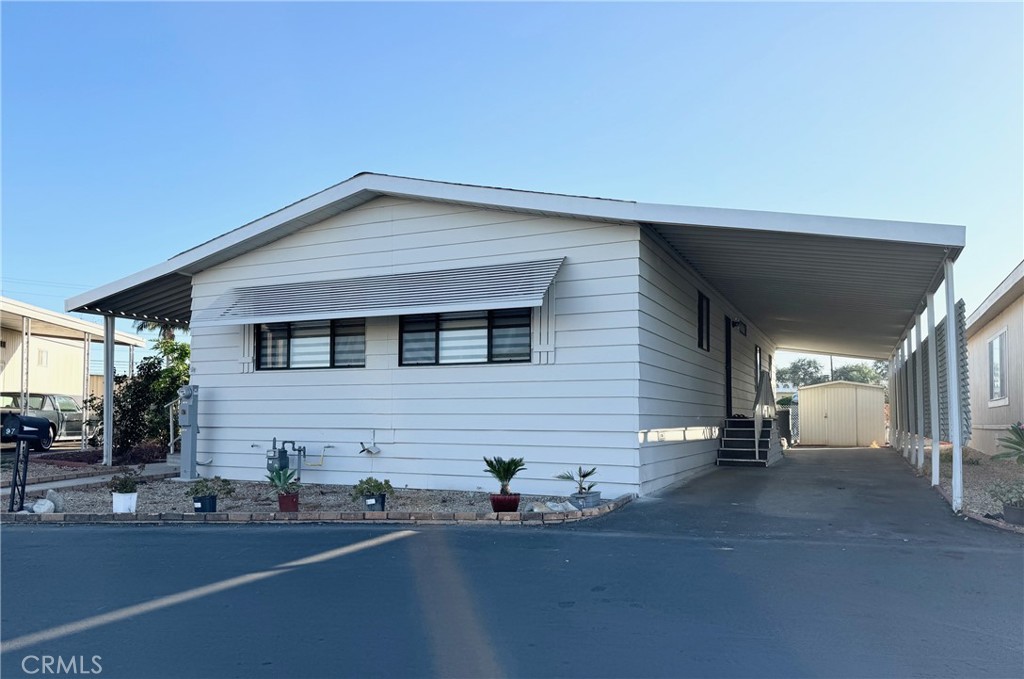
x=919 y=391
x=108 y=390
x=953 y=381
x=933 y=390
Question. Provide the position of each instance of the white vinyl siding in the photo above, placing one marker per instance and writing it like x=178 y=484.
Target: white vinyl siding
x=574 y=402
x=681 y=385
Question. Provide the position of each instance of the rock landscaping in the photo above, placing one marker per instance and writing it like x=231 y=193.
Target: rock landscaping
x=166 y=500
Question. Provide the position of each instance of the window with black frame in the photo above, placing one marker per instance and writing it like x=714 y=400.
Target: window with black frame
x=495 y=336
x=703 y=321
x=311 y=344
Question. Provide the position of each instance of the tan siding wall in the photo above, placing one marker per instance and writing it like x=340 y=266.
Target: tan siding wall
x=989 y=420
x=682 y=385
x=58 y=370
x=435 y=423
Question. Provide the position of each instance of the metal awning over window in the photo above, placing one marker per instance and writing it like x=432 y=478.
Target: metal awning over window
x=498 y=286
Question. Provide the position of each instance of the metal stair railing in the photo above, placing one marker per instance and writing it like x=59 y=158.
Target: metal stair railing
x=764 y=404
x=172 y=408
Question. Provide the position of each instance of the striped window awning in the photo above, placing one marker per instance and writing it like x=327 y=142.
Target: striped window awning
x=498 y=286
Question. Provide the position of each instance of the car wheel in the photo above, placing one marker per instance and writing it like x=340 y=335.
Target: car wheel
x=46 y=442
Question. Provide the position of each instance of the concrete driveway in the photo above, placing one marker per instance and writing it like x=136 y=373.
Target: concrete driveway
x=815 y=493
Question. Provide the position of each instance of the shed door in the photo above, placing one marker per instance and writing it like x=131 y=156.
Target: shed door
x=813 y=423
x=870 y=416
x=841 y=416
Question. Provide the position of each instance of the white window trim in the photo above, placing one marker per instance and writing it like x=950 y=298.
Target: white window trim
x=1003 y=400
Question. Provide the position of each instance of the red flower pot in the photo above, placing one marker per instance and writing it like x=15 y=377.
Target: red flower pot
x=505 y=503
x=288 y=503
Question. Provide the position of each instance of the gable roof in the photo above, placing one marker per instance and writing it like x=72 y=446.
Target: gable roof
x=1010 y=289
x=828 y=255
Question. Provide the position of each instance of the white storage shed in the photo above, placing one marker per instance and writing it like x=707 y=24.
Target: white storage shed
x=842 y=414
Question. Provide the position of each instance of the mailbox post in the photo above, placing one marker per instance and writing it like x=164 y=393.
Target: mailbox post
x=24 y=430
x=188 y=422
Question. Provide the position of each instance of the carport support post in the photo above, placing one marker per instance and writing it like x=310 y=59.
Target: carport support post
x=911 y=410
x=904 y=397
x=894 y=402
x=933 y=387
x=953 y=388
x=108 y=390
x=919 y=391
x=86 y=349
x=26 y=339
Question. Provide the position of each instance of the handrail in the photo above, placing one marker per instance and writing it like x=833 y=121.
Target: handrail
x=764 y=405
x=171 y=408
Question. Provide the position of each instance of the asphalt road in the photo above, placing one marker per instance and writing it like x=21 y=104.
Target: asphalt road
x=836 y=564
x=509 y=602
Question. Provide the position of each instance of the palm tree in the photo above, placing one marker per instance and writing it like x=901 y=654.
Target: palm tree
x=166 y=330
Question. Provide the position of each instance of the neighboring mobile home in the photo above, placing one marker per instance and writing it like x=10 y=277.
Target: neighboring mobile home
x=49 y=348
x=445 y=322
x=995 y=346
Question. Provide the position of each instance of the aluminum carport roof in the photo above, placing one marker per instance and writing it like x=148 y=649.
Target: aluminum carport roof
x=46 y=323
x=812 y=283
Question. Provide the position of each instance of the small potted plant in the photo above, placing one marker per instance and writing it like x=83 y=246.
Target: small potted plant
x=373 y=493
x=585 y=495
x=204 y=493
x=124 y=488
x=504 y=471
x=286 y=488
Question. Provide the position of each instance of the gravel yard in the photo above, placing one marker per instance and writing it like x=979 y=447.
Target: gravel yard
x=980 y=472
x=169 y=496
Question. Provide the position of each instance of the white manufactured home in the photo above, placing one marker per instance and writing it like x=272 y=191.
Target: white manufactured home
x=442 y=322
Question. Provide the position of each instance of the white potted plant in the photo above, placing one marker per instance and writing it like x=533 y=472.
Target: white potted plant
x=124 y=489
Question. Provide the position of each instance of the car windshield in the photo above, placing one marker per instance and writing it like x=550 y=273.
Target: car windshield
x=35 y=402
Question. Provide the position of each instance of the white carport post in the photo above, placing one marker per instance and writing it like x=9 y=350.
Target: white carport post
x=108 y=390
x=919 y=391
x=953 y=388
x=892 y=401
x=905 y=396
x=933 y=387
x=26 y=339
x=86 y=351
x=911 y=405
x=897 y=399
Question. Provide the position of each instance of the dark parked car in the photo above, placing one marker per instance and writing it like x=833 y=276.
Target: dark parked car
x=63 y=412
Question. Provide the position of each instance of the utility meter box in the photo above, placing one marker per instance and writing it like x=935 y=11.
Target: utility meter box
x=188 y=397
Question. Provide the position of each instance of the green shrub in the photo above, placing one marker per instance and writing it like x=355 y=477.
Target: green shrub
x=371 y=486
x=214 y=486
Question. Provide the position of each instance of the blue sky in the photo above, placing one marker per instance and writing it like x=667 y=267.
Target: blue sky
x=134 y=131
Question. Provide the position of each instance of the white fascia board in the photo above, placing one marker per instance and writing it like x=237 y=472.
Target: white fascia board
x=545 y=203
x=1011 y=288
